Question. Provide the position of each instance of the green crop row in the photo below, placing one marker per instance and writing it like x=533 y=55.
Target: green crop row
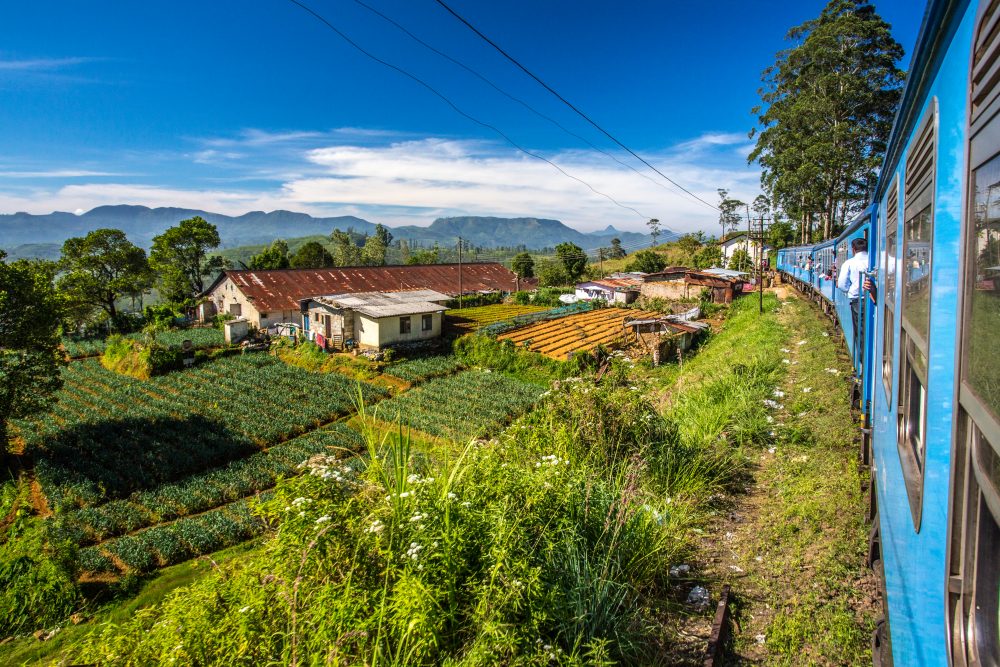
x=200 y=338
x=424 y=368
x=462 y=406
x=205 y=491
x=108 y=436
x=175 y=542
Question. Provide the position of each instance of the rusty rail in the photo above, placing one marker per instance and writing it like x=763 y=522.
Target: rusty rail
x=720 y=630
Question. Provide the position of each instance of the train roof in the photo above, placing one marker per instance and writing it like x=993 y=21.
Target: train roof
x=941 y=19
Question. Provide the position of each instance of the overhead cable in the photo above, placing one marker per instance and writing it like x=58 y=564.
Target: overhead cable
x=415 y=78
x=568 y=103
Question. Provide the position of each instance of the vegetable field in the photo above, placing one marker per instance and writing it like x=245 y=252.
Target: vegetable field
x=201 y=338
x=424 y=368
x=582 y=332
x=462 y=406
x=471 y=319
x=108 y=436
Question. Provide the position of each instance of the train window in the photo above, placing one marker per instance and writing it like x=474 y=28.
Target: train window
x=974 y=519
x=914 y=272
x=889 y=293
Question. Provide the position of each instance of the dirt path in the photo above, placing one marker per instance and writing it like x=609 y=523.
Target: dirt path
x=792 y=546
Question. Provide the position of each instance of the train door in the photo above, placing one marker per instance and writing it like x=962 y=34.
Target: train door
x=974 y=518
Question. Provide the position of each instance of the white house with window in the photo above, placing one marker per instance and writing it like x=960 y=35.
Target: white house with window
x=373 y=320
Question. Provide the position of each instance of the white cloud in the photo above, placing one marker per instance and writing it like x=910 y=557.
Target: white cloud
x=412 y=181
x=58 y=173
x=41 y=64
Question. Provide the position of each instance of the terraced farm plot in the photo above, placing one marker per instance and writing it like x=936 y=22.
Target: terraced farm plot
x=200 y=338
x=424 y=368
x=582 y=332
x=462 y=406
x=108 y=436
x=471 y=319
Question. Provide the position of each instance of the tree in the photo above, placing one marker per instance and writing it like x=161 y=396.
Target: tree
x=345 y=252
x=427 y=256
x=275 y=256
x=708 y=256
x=573 y=259
x=689 y=244
x=102 y=267
x=552 y=273
x=729 y=211
x=780 y=234
x=373 y=252
x=654 y=230
x=617 y=252
x=827 y=107
x=523 y=265
x=311 y=255
x=646 y=261
x=30 y=312
x=740 y=260
x=383 y=234
x=179 y=256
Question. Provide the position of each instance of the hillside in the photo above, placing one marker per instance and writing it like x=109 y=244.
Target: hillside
x=39 y=236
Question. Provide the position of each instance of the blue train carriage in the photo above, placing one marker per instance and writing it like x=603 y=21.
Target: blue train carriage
x=855 y=340
x=824 y=277
x=935 y=422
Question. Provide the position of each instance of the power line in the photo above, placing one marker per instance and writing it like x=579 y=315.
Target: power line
x=458 y=110
x=508 y=95
x=568 y=103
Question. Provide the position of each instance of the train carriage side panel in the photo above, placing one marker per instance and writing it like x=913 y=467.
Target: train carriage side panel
x=916 y=336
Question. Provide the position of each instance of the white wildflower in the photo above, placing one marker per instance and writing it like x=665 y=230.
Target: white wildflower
x=806 y=390
x=376 y=527
x=323 y=519
x=245 y=609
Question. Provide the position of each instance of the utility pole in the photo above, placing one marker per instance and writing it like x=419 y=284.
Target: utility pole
x=748 y=232
x=461 y=291
x=760 y=266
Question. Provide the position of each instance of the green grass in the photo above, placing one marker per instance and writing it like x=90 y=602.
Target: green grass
x=134 y=595
x=805 y=547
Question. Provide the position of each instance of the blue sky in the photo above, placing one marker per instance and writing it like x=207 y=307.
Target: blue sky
x=236 y=106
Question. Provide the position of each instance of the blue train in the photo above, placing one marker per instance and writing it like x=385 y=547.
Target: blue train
x=926 y=346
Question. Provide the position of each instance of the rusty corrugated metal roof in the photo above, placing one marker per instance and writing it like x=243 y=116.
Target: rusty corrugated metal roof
x=281 y=289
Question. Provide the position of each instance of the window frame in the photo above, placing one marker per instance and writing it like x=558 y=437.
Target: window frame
x=405 y=326
x=974 y=510
x=913 y=351
x=889 y=296
x=427 y=322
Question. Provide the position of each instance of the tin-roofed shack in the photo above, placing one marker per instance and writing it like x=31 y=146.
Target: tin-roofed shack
x=623 y=290
x=676 y=283
x=373 y=320
x=266 y=298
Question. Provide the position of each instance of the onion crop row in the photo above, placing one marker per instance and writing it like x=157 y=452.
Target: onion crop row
x=424 y=368
x=108 y=436
x=175 y=542
x=204 y=491
x=462 y=406
x=200 y=338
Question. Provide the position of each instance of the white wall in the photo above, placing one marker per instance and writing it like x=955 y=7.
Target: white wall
x=382 y=332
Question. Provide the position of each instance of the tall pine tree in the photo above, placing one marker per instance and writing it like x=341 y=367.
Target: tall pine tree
x=827 y=109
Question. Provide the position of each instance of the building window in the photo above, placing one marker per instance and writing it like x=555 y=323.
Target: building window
x=235 y=309
x=426 y=322
x=404 y=325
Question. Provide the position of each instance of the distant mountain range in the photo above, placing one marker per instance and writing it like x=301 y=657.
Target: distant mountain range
x=28 y=235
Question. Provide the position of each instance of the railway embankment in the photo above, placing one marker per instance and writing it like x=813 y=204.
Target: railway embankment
x=791 y=543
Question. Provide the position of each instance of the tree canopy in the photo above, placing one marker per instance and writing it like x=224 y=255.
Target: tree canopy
x=30 y=311
x=523 y=265
x=275 y=256
x=827 y=109
x=647 y=261
x=179 y=256
x=573 y=259
x=616 y=252
x=345 y=251
x=312 y=255
x=102 y=267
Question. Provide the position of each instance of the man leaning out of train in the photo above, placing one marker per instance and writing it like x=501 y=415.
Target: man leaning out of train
x=852 y=278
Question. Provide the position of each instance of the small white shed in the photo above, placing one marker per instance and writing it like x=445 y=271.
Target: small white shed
x=373 y=320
